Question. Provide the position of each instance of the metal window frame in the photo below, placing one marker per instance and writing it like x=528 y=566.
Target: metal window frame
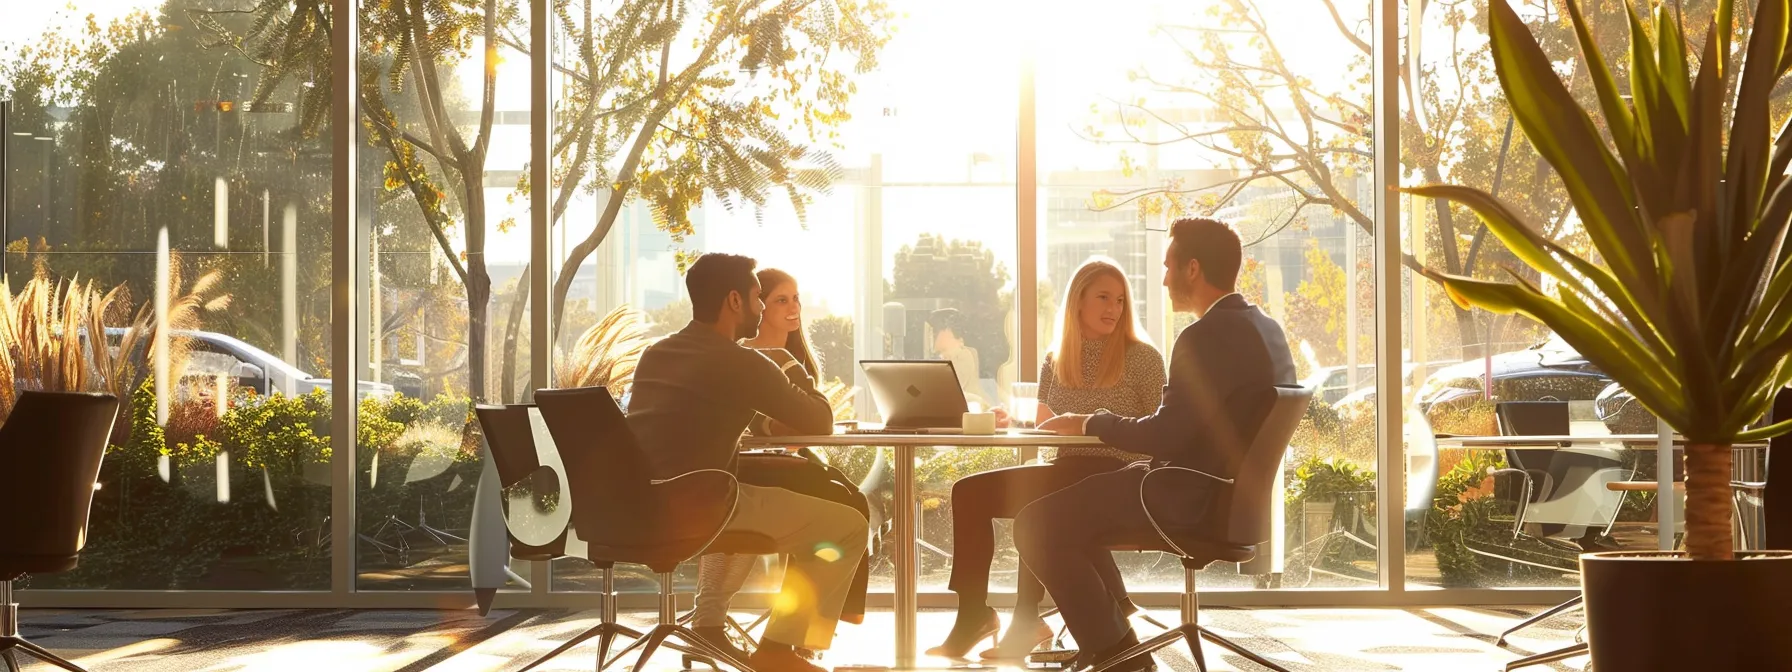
x=348 y=250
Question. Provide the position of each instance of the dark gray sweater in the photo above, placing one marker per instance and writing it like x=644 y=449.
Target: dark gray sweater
x=696 y=391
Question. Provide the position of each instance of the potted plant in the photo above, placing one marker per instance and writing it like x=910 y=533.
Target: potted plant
x=1686 y=201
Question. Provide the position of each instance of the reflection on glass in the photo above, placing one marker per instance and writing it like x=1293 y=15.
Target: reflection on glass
x=917 y=216
x=133 y=201
x=1525 y=524
x=1235 y=111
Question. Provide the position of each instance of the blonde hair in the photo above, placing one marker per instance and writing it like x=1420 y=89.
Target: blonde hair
x=797 y=343
x=1067 y=348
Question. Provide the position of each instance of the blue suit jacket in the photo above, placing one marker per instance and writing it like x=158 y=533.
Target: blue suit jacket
x=1222 y=373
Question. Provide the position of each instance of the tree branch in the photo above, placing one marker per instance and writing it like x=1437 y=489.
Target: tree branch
x=1338 y=20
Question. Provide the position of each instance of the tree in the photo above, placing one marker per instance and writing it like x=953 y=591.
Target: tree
x=831 y=339
x=137 y=144
x=667 y=319
x=642 y=116
x=958 y=274
x=1316 y=308
x=1312 y=139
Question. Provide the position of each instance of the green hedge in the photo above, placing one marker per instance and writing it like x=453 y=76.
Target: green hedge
x=157 y=522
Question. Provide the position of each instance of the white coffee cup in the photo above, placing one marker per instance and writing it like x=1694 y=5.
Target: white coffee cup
x=979 y=424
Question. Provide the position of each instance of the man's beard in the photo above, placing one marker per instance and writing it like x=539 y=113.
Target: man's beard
x=748 y=329
x=1181 y=294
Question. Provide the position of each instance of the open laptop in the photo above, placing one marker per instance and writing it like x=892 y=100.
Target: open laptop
x=916 y=397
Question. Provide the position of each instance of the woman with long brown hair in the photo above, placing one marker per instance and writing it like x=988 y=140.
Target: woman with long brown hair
x=1099 y=360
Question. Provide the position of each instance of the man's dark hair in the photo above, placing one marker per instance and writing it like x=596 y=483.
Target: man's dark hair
x=1213 y=243
x=712 y=277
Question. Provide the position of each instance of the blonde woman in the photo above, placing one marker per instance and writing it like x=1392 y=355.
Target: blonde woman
x=782 y=338
x=1098 y=361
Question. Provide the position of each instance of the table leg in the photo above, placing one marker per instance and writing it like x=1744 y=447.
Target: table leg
x=907 y=567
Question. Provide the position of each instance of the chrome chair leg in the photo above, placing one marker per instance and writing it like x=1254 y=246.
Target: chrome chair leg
x=678 y=638
x=606 y=631
x=1542 y=616
x=12 y=643
x=1563 y=653
x=1191 y=632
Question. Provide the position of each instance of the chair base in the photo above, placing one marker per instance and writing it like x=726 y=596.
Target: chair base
x=11 y=646
x=606 y=634
x=1193 y=634
x=1546 y=657
x=1057 y=640
x=680 y=639
x=672 y=635
x=1545 y=615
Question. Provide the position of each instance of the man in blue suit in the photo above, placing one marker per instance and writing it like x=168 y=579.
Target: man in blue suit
x=1221 y=368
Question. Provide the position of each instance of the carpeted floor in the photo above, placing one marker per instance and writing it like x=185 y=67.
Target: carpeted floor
x=1442 y=639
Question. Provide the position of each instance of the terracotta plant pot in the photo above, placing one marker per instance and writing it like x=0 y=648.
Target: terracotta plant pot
x=1661 y=611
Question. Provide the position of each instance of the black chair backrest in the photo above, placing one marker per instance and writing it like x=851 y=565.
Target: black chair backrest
x=1250 y=515
x=605 y=468
x=50 y=450
x=511 y=439
x=1531 y=418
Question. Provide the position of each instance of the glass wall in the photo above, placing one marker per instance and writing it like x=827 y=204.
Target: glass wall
x=902 y=207
x=180 y=226
x=167 y=181
x=1223 y=109
x=1485 y=531
x=444 y=223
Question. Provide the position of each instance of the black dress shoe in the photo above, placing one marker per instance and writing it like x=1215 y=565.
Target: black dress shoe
x=718 y=637
x=1142 y=663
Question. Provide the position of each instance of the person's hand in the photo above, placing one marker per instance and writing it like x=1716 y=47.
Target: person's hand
x=1002 y=420
x=1068 y=424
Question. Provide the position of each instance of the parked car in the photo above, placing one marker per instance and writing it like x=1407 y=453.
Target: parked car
x=212 y=354
x=1549 y=370
x=1622 y=413
x=1332 y=383
x=1362 y=399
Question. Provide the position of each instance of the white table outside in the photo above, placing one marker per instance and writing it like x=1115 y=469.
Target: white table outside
x=1657 y=442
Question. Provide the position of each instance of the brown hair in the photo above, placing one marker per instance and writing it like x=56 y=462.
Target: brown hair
x=797 y=343
x=1213 y=243
x=1067 y=348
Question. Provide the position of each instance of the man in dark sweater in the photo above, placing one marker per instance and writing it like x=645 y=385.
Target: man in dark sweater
x=694 y=393
x=1221 y=370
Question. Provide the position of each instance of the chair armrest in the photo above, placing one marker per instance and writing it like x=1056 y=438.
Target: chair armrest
x=1152 y=517
x=698 y=474
x=702 y=489
x=1196 y=472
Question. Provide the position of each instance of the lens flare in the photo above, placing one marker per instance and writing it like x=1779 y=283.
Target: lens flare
x=828 y=552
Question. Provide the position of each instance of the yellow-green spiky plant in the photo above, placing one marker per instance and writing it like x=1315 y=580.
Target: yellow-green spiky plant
x=1687 y=304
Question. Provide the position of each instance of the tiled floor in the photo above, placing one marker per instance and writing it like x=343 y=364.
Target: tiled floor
x=1441 y=639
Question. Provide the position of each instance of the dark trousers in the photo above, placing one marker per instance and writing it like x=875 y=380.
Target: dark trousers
x=1065 y=538
x=810 y=477
x=978 y=500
